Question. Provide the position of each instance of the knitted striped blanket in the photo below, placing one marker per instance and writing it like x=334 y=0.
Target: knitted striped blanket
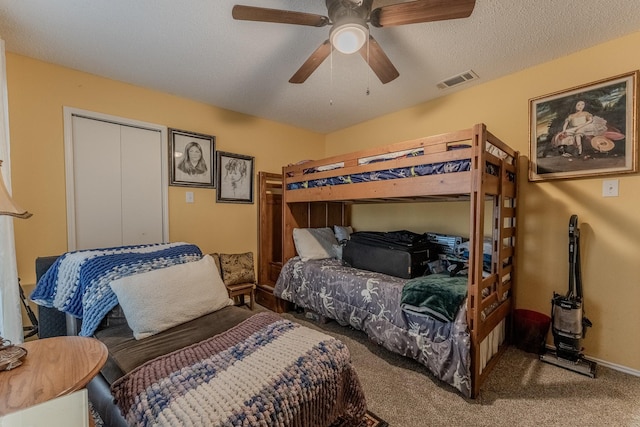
x=266 y=371
x=78 y=282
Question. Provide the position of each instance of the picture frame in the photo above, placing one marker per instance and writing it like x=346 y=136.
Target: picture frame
x=235 y=178
x=184 y=171
x=585 y=131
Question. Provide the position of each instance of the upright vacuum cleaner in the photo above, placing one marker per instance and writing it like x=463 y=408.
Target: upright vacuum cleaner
x=568 y=322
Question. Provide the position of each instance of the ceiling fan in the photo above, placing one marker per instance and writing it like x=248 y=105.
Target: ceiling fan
x=350 y=32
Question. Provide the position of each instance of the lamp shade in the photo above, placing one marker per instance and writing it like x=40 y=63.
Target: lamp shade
x=7 y=205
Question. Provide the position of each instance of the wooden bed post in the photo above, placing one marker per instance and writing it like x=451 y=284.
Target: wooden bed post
x=289 y=222
x=477 y=208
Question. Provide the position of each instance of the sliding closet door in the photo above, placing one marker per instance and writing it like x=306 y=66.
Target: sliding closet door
x=97 y=183
x=141 y=155
x=116 y=184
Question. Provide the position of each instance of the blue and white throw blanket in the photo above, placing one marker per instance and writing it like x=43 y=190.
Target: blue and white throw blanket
x=78 y=282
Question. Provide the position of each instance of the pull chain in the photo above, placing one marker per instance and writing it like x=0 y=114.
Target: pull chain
x=369 y=69
x=331 y=77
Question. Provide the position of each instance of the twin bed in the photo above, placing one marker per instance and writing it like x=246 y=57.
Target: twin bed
x=470 y=165
x=180 y=352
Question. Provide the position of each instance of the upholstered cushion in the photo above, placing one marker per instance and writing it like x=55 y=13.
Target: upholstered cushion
x=315 y=243
x=160 y=299
x=216 y=259
x=237 y=268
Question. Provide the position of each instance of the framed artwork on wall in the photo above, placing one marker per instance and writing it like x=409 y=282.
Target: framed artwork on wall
x=589 y=130
x=191 y=159
x=235 y=178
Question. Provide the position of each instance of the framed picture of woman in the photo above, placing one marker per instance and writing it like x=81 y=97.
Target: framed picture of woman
x=585 y=131
x=191 y=159
x=235 y=178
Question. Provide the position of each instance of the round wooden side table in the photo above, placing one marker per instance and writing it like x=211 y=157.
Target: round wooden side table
x=53 y=367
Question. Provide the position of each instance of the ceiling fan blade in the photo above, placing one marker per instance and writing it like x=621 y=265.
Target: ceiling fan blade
x=313 y=62
x=414 y=12
x=261 y=14
x=379 y=61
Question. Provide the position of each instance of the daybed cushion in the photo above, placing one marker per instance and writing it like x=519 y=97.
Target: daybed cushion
x=237 y=268
x=157 y=300
x=127 y=353
x=315 y=243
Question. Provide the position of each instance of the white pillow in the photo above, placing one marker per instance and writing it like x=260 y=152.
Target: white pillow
x=314 y=243
x=160 y=299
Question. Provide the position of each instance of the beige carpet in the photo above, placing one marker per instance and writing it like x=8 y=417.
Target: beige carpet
x=521 y=391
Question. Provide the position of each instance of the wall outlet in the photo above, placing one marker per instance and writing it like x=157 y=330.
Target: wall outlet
x=189 y=196
x=610 y=188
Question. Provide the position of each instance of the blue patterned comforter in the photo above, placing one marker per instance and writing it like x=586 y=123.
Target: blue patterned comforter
x=78 y=282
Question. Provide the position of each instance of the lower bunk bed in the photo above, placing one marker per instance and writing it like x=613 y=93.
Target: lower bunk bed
x=428 y=324
x=210 y=362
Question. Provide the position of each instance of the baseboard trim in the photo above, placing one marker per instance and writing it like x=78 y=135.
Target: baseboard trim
x=616 y=367
x=606 y=364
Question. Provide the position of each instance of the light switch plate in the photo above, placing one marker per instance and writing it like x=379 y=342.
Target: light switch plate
x=610 y=188
x=189 y=196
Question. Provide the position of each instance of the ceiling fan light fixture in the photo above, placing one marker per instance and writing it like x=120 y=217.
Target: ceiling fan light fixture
x=349 y=37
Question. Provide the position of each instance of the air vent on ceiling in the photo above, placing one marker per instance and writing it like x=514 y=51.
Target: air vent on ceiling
x=456 y=80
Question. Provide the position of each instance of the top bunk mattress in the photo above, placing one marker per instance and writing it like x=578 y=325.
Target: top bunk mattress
x=463 y=165
x=445 y=154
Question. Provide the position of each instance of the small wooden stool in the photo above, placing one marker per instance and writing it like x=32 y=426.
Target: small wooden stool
x=242 y=289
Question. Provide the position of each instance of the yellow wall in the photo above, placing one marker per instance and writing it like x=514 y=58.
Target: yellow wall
x=610 y=227
x=37 y=93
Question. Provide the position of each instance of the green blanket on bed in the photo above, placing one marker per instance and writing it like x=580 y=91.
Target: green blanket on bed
x=439 y=295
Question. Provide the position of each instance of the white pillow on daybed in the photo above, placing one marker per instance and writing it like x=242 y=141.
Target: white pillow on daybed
x=160 y=299
x=315 y=243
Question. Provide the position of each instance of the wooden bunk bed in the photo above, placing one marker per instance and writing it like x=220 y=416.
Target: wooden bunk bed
x=471 y=164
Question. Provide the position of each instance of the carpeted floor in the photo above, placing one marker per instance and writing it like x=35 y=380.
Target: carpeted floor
x=96 y=417
x=520 y=391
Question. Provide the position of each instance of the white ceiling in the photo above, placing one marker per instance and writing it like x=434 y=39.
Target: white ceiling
x=194 y=49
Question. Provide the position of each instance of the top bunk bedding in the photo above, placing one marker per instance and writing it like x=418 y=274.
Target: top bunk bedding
x=450 y=159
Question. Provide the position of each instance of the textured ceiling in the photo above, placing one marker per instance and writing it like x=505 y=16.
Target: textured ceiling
x=194 y=49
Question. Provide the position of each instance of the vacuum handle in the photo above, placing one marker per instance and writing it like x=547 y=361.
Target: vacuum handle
x=575 y=276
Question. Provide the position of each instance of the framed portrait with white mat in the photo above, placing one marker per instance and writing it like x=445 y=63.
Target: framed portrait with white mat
x=191 y=159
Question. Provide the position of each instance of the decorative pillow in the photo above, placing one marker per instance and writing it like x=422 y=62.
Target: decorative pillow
x=160 y=299
x=342 y=233
x=237 y=268
x=216 y=259
x=314 y=243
